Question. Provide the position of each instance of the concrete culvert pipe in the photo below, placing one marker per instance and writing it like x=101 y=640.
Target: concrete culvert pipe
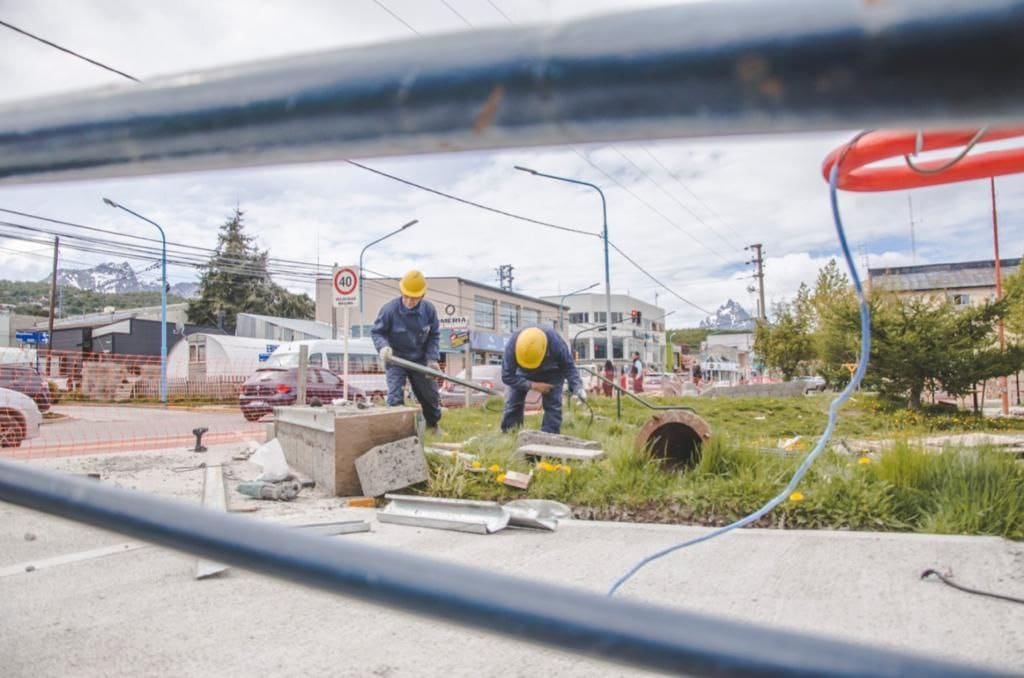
x=676 y=437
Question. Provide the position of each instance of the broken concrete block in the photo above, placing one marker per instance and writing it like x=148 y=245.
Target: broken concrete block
x=558 y=452
x=392 y=466
x=449 y=453
x=541 y=438
x=517 y=479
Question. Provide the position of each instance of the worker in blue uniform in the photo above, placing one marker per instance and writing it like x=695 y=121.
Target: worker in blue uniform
x=538 y=359
x=407 y=328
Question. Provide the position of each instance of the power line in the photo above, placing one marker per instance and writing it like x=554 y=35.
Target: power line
x=649 y=206
x=456 y=13
x=400 y=19
x=674 y=198
x=498 y=10
x=68 y=51
x=685 y=187
x=465 y=201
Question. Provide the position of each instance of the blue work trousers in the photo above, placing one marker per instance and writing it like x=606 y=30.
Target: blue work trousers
x=423 y=387
x=515 y=402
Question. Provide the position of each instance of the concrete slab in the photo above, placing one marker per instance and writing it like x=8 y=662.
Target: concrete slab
x=392 y=466
x=531 y=437
x=558 y=452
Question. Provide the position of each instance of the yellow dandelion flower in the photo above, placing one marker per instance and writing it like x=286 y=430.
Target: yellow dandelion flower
x=475 y=464
x=796 y=497
x=863 y=461
x=545 y=466
x=500 y=478
x=494 y=468
x=567 y=469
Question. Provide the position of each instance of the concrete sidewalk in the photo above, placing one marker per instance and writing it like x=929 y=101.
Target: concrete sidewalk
x=140 y=612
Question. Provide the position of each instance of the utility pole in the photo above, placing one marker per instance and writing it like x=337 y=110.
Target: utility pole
x=1004 y=393
x=758 y=261
x=505 y=276
x=53 y=304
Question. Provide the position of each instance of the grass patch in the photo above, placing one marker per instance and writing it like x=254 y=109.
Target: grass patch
x=904 y=488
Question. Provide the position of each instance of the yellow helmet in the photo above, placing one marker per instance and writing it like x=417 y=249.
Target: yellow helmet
x=531 y=346
x=413 y=284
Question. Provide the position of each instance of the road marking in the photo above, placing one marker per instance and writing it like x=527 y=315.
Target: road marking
x=23 y=568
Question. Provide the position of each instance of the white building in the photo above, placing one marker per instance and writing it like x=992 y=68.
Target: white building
x=728 y=357
x=636 y=326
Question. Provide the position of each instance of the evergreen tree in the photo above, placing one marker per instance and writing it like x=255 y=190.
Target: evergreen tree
x=785 y=344
x=236 y=281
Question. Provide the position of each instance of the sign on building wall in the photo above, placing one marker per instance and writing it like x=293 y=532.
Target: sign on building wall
x=450 y=318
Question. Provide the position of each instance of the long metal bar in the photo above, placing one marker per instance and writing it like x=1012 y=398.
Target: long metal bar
x=711 y=68
x=567 y=619
x=646 y=403
x=423 y=369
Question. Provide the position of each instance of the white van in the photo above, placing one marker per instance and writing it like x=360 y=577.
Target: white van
x=365 y=370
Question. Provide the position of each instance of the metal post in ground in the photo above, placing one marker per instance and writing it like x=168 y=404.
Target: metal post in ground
x=301 y=380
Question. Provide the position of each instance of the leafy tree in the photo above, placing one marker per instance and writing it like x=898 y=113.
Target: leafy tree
x=785 y=344
x=834 y=344
x=919 y=343
x=236 y=281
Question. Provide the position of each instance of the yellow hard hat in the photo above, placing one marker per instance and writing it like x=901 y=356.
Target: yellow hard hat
x=531 y=346
x=413 y=284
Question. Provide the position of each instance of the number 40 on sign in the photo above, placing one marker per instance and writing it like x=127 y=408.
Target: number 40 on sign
x=345 y=283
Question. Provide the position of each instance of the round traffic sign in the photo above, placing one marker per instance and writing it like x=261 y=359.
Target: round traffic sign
x=345 y=281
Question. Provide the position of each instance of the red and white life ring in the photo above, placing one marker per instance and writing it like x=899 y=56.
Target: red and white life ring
x=859 y=173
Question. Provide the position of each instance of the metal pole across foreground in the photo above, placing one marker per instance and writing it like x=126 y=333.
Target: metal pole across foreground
x=691 y=69
x=163 y=295
x=423 y=369
x=566 y=619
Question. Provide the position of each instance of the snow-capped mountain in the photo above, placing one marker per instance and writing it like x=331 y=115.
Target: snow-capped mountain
x=729 y=316
x=112 y=278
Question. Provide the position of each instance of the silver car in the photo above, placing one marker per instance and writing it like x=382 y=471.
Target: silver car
x=19 y=418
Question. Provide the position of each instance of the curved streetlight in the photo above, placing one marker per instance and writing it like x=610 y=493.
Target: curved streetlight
x=361 y=253
x=561 y=304
x=163 y=295
x=604 y=215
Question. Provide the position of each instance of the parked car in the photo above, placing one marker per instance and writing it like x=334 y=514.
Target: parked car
x=454 y=395
x=27 y=380
x=19 y=418
x=272 y=387
x=365 y=369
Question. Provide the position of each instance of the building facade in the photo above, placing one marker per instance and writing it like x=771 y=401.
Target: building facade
x=280 y=330
x=966 y=283
x=636 y=326
x=471 y=313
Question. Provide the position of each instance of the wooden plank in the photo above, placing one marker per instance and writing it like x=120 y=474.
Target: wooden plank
x=563 y=453
x=215 y=499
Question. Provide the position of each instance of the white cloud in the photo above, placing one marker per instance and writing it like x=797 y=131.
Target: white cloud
x=718 y=194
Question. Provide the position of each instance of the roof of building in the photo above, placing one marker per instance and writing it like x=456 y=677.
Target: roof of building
x=311 y=327
x=941 y=276
x=100 y=319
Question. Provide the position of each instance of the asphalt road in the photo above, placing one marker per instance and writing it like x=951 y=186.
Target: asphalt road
x=140 y=612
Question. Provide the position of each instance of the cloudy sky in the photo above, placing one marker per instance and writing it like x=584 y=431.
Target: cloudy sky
x=683 y=209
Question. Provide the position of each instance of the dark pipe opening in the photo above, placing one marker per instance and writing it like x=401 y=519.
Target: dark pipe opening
x=678 y=444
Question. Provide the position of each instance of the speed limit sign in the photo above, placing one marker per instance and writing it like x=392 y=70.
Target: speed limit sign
x=345 y=282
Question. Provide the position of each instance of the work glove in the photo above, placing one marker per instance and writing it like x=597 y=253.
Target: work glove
x=581 y=393
x=434 y=365
x=386 y=353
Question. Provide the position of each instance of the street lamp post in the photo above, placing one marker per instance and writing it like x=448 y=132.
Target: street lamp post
x=361 y=253
x=561 y=305
x=163 y=295
x=607 y=269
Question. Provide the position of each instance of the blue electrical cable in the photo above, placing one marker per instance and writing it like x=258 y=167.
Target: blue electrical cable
x=833 y=410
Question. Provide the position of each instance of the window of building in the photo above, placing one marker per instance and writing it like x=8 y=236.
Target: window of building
x=961 y=300
x=617 y=348
x=483 y=312
x=600 y=317
x=616 y=316
x=579 y=318
x=531 y=316
x=509 y=316
x=581 y=348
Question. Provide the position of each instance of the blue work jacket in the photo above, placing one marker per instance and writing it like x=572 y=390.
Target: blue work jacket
x=412 y=333
x=557 y=364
